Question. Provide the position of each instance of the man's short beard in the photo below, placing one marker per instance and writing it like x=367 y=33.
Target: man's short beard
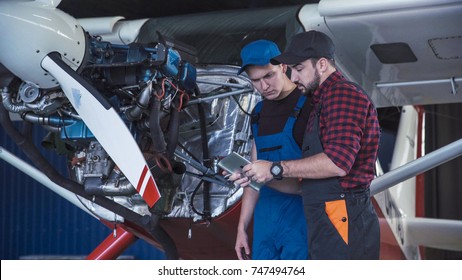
x=315 y=83
x=312 y=86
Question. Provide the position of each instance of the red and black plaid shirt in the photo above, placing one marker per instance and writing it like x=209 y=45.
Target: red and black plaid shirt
x=349 y=129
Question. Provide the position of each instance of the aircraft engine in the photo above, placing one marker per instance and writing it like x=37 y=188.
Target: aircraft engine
x=66 y=81
x=146 y=84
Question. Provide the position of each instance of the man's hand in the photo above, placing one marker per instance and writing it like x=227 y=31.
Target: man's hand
x=258 y=171
x=242 y=245
x=238 y=178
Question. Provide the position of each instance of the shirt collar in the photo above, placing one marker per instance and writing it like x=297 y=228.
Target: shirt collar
x=324 y=87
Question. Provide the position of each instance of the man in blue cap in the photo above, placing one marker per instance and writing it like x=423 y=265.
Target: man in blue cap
x=278 y=124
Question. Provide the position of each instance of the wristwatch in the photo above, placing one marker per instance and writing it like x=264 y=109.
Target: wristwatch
x=276 y=170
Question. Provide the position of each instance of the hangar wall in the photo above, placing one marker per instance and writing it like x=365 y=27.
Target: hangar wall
x=443 y=185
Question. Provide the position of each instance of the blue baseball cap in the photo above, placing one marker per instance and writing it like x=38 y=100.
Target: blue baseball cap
x=259 y=53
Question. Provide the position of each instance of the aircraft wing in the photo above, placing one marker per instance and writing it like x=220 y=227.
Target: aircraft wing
x=401 y=52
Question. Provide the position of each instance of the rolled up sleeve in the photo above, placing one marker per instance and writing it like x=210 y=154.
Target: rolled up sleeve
x=344 y=116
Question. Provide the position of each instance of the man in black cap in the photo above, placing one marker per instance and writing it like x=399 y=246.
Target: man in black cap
x=339 y=153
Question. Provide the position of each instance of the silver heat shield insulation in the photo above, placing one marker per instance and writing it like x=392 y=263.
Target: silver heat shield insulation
x=228 y=101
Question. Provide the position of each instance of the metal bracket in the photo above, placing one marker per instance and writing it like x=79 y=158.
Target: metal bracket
x=454 y=85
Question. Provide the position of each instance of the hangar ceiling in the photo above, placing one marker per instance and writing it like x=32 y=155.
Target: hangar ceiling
x=132 y=9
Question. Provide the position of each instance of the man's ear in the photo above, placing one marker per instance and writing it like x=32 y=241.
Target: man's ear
x=322 y=65
x=286 y=70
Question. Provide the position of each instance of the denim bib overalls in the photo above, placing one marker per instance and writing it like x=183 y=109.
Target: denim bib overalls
x=279 y=224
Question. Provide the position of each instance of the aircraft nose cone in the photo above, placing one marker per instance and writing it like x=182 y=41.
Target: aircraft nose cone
x=30 y=31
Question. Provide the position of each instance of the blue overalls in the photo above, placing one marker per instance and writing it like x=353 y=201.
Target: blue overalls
x=279 y=224
x=342 y=223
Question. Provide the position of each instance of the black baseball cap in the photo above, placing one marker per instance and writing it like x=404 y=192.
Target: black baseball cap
x=310 y=44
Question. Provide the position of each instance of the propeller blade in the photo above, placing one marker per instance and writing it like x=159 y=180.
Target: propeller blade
x=106 y=125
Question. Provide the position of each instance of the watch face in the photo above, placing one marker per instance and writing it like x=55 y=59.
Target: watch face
x=276 y=170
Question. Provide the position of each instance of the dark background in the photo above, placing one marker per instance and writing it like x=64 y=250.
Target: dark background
x=134 y=9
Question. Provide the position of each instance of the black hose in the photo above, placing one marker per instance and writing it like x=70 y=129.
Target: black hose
x=157 y=134
x=193 y=195
x=152 y=224
x=173 y=132
x=27 y=129
x=205 y=155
